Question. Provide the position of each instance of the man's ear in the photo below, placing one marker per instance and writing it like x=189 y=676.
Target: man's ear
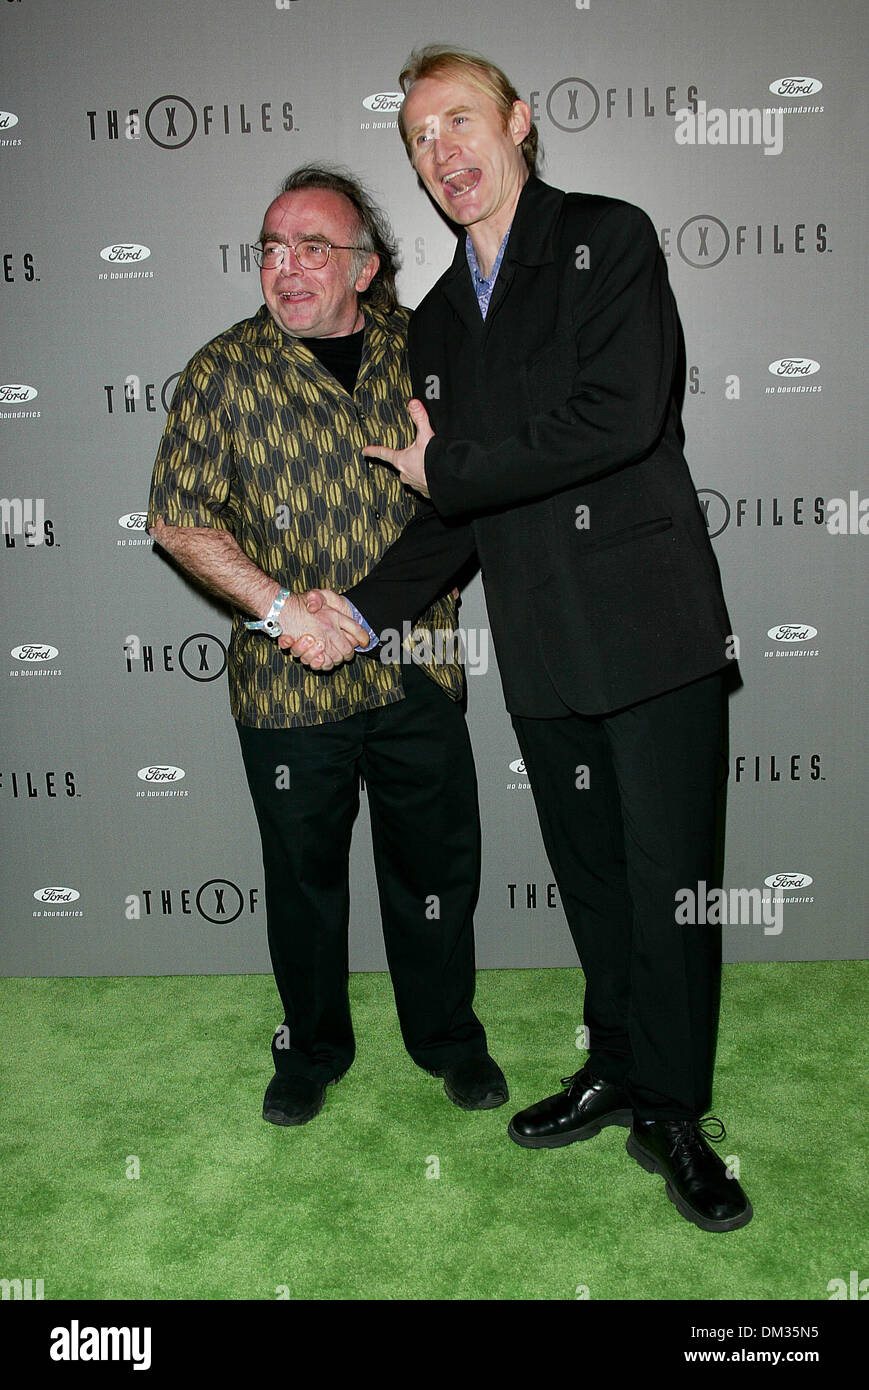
x=519 y=123
x=370 y=269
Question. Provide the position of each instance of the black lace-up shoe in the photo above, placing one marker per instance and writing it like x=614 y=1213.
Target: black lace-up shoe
x=294 y=1100
x=579 y=1112
x=475 y=1084
x=698 y=1184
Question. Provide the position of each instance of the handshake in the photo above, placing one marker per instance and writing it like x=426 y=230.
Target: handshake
x=318 y=629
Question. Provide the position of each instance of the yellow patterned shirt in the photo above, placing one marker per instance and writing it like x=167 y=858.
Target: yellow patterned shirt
x=261 y=440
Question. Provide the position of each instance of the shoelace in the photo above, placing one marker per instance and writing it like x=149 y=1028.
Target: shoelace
x=687 y=1140
x=569 y=1080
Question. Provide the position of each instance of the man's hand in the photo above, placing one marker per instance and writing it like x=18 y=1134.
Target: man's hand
x=410 y=462
x=324 y=633
x=306 y=647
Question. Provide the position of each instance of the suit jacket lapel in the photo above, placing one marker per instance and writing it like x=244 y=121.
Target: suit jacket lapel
x=531 y=243
x=457 y=287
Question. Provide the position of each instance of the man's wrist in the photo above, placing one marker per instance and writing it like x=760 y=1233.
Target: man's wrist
x=358 y=618
x=270 y=623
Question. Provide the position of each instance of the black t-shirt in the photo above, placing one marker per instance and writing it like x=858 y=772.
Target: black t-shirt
x=340 y=356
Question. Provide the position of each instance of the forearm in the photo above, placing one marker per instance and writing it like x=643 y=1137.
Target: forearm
x=547 y=454
x=214 y=558
x=417 y=568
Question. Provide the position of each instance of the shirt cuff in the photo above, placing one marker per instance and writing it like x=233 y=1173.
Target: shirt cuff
x=358 y=618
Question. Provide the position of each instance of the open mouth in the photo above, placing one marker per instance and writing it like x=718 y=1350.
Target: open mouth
x=462 y=181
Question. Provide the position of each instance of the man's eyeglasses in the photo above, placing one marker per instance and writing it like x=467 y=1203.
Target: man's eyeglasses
x=311 y=255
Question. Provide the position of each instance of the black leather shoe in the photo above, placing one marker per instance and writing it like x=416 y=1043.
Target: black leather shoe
x=698 y=1184
x=476 y=1084
x=294 y=1100
x=579 y=1112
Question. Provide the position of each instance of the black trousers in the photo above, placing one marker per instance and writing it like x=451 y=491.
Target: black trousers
x=620 y=848
x=415 y=757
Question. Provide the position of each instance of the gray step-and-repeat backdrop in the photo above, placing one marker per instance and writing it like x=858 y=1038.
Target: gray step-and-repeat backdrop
x=140 y=142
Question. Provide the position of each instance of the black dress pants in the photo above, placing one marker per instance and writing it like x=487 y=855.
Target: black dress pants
x=415 y=757
x=620 y=849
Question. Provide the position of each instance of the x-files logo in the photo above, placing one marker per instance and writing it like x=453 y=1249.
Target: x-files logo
x=175 y=120
x=218 y=900
x=24 y=525
x=704 y=241
x=716 y=510
x=572 y=104
x=19 y=267
x=838 y=515
x=693 y=241
x=171 y=121
x=29 y=784
x=133 y=396
x=201 y=656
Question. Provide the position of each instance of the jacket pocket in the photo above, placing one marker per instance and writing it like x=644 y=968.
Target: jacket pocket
x=632 y=533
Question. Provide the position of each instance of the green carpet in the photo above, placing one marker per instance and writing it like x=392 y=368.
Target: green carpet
x=171 y=1072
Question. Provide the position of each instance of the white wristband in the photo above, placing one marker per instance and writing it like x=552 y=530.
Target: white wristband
x=269 y=624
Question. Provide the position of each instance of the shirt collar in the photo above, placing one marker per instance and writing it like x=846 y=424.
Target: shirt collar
x=484 y=285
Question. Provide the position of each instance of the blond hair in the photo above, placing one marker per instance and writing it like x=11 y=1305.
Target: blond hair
x=437 y=61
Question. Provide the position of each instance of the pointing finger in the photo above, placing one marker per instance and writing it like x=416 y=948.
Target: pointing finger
x=378 y=451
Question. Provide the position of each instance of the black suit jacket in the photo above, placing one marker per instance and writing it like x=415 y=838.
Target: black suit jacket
x=558 y=456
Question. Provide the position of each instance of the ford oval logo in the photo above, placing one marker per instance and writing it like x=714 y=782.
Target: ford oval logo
x=795 y=86
x=794 y=366
x=133 y=521
x=792 y=632
x=17 y=392
x=34 y=651
x=121 y=252
x=56 y=895
x=7 y=120
x=161 y=772
x=518 y=766
x=788 y=880
x=383 y=101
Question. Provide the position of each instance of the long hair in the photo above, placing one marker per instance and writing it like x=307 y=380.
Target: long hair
x=436 y=60
x=373 y=233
